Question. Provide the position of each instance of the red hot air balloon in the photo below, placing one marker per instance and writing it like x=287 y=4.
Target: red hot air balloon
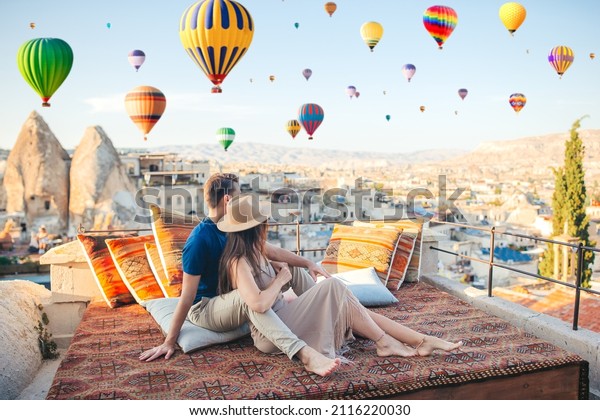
x=310 y=116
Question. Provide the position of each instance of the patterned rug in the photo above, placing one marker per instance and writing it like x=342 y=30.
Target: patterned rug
x=102 y=361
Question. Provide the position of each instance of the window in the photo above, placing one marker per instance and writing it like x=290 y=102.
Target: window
x=168 y=201
x=47 y=205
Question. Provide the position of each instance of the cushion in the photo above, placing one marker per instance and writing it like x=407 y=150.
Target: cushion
x=354 y=247
x=171 y=230
x=409 y=248
x=191 y=337
x=366 y=286
x=159 y=272
x=129 y=256
x=113 y=289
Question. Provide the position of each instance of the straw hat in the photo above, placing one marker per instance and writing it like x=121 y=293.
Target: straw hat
x=243 y=212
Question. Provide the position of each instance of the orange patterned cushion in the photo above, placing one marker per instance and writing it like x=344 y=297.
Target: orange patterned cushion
x=171 y=230
x=159 y=272
x=352 y=248
x=107 y=277
x=409 y=249
x=129 y=256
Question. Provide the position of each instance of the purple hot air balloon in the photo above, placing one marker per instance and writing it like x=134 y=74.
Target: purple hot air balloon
x=462 y=93
x=310 y=116
x=351 y=91
x=307 y=73
x=357 y=94
x=136 y=58
x=409 y=71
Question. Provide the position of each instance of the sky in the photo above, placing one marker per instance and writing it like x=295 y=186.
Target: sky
x=480 y=56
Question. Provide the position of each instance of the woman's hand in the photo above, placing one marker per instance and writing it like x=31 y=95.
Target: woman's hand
x=284 y=275
x=155 y=352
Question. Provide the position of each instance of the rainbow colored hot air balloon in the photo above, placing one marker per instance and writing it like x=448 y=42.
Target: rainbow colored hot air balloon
x=351 y=91
x=463 y=93
x=307 y=73
x=45 y=63
x=293 y=127
x=330 y=8
x=225 y=137
x=310 y=116
x=517 y=101
x=440 y=21
x=561 y=58
x=371 y=33
x=136 y=58
x=512 y=16
x=216 y=34
x=408 y=70
x=145 y=105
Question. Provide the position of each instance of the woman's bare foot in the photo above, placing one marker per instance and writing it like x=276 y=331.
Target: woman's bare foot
x=431 y=343
x=389 y=346
x=318 y=363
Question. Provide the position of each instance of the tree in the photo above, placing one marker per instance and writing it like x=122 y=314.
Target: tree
x=568 y=205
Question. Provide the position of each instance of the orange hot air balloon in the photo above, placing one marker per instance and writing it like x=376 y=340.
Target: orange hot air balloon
x=422 y=108
x=272 y=78
x=32 y=25
x=330 y=7
x=145 y=105
x=592 y=56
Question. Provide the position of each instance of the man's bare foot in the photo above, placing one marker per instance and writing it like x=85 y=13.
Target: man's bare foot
x=431 y=343
x=318 y=363
x=389 y=346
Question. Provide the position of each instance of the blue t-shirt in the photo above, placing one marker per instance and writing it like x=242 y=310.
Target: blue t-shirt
x=201 y=254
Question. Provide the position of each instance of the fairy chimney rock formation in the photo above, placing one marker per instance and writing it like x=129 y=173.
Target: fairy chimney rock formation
x=102 y=194
x=36 y=178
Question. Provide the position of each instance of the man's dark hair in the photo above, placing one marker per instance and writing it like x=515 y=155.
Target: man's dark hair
x=217 y=186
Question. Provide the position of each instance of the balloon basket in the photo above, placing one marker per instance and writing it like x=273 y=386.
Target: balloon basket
x=45 y=104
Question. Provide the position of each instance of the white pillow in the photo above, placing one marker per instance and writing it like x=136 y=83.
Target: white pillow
x=366 y=285
x=191 y=337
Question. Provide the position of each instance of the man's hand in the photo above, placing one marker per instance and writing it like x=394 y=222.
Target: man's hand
x=155 y=352
x=316 y=270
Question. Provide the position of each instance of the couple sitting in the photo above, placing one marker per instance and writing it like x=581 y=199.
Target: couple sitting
x=232 y=275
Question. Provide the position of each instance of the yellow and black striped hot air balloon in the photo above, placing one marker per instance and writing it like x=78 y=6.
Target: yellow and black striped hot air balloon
x=145 y=105
x=216 y=34
x=293 y=127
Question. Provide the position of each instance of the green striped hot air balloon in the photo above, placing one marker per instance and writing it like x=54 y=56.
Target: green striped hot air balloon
x=45 y=63
x=225 y=136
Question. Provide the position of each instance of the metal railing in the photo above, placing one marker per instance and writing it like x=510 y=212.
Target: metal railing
x=579 y=248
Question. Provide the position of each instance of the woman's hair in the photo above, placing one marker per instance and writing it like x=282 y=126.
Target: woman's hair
x=217 y=186
x=248 y=244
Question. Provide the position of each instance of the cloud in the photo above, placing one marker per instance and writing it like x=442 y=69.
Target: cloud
x=106 y=104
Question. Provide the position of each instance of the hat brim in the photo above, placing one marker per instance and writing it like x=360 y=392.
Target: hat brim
x=225 y=226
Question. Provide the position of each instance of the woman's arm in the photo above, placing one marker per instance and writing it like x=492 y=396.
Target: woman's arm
x=276 y=253
x=257 y=300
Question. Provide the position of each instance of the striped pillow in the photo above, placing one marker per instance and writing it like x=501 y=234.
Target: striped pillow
x=129 y=256
x=352 y=248
x=113 y=289
x=171 y=230
x=159 y=272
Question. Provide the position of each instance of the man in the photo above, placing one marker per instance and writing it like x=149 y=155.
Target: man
x=199 y=301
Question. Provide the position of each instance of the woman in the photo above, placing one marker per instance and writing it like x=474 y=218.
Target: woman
x=325 y=315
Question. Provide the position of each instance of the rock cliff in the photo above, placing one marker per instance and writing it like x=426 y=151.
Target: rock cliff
x=36 y=178
x=101 y=192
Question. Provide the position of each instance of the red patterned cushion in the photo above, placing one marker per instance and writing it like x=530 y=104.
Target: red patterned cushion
x=113 y=289
x=129 y=256
x=159 y=272
x=171 y=230
x=353 y=247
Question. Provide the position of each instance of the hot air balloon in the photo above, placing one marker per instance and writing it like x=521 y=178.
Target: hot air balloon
x=272 y=78
x=307 y=73
x=136 y=58
x=251 y=80
x=45 y=63
x=32 y=25
x=350 y=90
x=330 y=7
x=422 y=108
x=463 y=93
x=517 y=101
x=310 y=116
x=293 y=127
x=561 y=58
x=145 y=105
x=225 y=137
x=108 y=25
x=408 y=70
x=592 y=56
x=388 y=117
x=512 y=16
x=357 y=94
x=371 y=33
x=384 y=92
x=296 y=25
x=216 y=35
x=440 y=21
